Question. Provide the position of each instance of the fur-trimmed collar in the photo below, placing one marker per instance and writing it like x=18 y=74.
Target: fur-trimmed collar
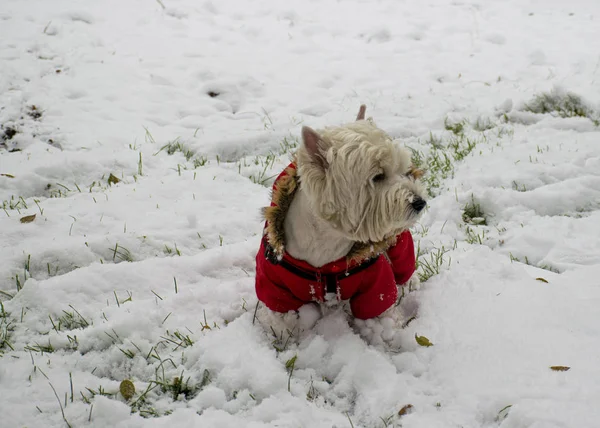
x=283 y=193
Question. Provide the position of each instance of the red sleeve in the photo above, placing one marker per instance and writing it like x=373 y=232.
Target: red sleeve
x=269 y=289
x=402 y=257
x=377 y=293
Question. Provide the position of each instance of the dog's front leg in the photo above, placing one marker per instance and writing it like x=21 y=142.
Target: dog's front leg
x=383 y=329
x=291 y=325
x=413 y=284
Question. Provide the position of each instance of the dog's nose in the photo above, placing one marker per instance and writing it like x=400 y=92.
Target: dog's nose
x=418 y=204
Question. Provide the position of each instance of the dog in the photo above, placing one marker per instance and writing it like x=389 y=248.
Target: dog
x=337 y=230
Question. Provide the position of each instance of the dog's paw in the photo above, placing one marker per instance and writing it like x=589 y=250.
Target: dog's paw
x=308 y=315
x=413 y=284
x=370 y=330
x=289 y=326
x=276 y=323
x=382 y=331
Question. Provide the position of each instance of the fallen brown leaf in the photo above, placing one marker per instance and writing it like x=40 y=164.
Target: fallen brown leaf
x=405 y=410
x=112 y=179
x=28 y=218
x=127 y=389
x=423 y=341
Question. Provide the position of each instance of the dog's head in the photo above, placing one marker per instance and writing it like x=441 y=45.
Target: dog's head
x=359 y=181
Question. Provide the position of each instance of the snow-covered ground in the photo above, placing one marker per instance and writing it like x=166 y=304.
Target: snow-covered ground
x=193 y=106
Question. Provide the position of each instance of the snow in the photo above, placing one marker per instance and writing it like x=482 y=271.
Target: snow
x=151 y=278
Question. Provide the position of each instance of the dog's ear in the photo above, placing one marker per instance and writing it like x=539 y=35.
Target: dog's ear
x=314 y=146
x=361 y=112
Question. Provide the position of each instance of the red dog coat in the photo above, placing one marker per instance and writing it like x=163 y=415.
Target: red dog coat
x=285 y=284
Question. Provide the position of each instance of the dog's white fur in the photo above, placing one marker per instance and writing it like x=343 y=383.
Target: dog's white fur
x=338 y=202
x=355 y=186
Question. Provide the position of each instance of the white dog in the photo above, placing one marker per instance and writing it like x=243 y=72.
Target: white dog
x=337 y=231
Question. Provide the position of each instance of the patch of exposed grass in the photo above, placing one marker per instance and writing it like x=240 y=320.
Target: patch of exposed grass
x=438 y=166
x=6 y=329
x=167 y=382
x=121 y=253
x=178 y=386
x=526 y=261
x=434 y=141
x=457 y=128
x=170 y=251
x=473 y=214
x=40 y=348
x=461 y=146
x=483 y=124
x=199 y=161
x=290 y=365
x=518 y=187
x=57 y=190
x=565 y=104
x=439 y=163
x=288 y=145
x=178 y=339
x=262 y=177
x=430 y=264
x=99 y=391
x=13 y=203
x=474 y=236
x=69 y=320
x=261 y=167
x=312 y=394
x=281 y=339
x=176 y=146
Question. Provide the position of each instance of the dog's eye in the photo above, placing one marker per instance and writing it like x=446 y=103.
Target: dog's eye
x=378 y=178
